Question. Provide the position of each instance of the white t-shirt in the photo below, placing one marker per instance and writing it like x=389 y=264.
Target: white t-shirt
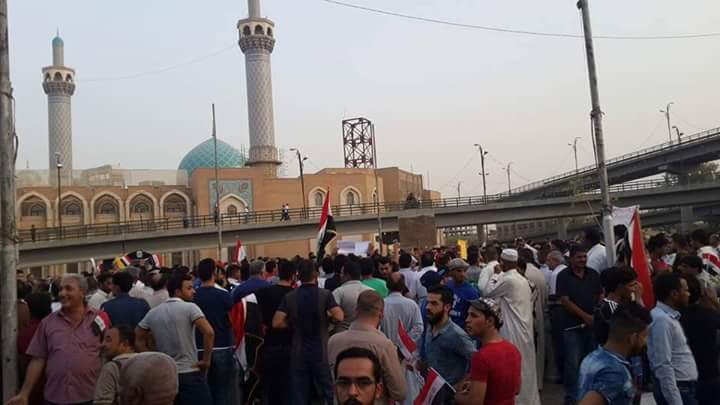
x=597 y=258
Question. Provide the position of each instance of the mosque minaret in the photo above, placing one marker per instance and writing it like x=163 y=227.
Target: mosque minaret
x=59 y=85
x=257 y=40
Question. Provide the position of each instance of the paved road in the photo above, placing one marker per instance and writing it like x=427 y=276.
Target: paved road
x=553 y=395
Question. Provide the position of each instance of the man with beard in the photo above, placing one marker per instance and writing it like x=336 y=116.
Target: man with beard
x=605 y=373
x=103 y=292
x=358 y=377
x=118 y=346
x=444 y=346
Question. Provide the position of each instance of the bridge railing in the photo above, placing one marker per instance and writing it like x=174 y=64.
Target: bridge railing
x=695 y=138
x=274 y=216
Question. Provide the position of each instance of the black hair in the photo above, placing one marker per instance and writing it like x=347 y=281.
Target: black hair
x=405 y=260
x=176 y=281
x=286 y=270
x=614 y=277
x=577 y=248
x=328 y=265
x=664 y=284
x=628 y=319
x=366 y=267
x=352 y=270
x=104 y=276
x=206 y=269
x=306 y=271
x=244 y=270
x=593 y=235
x=692 y=261
x=339 y=262
x=360 y=353
x=657 y=241
x=700 y=236
x=485 y=310
x=427 y=259
x=396 y=286
x=233 y=269
x=446 y=295
x=23 y=290
x=694 y=287
x=270 y=266
x=559 y=245
x=527 y=255
x=39 y=304
x=473 y=257
x=123 y=280
x=126 y=334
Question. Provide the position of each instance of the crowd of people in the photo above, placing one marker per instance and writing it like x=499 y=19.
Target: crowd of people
x=418 y=326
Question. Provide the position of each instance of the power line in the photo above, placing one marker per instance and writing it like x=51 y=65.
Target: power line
x=455 y=177
x=519 y=31
x=160 y=70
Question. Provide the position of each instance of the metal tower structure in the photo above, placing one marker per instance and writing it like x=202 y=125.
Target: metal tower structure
x=358 y=143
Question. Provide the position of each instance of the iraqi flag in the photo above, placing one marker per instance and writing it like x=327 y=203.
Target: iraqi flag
x=327 y=230
x=433 y=384
x=630 y=217
x=240 y=254
x=407 y=344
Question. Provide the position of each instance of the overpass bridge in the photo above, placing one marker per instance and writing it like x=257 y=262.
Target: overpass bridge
x=72 y=244
x=670 y=157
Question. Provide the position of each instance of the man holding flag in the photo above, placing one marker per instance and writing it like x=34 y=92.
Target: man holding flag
x=327 y=231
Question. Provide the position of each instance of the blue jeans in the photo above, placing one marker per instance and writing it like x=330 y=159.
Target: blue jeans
x=192 y=389
x=220 y=376
x=311 y=376
x=688 y=393
x=578 y=343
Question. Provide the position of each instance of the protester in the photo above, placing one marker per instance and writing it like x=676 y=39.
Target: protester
x=444 y=346
x=102 y=294
x=514 y=297
x=254 y=283
x=700 y=241
x=172 y=325
x=364 y=333
x=367 y=268
x=538 y=285
x=494 y=377
x=334 y=272
x=596 y=254
x=39 y=307
x=657 y=247
x=474 y=269
x=139 y=289
x=385 y=267
x=409 y=275
x=347 y=294
x=158 y=283
x=605 y=376
x=358 y=377
x=307 y=310
x=485 y=279
x=400 y=310
x=621 y=287
x=233 y=276
x=275 y=373
x=66 y=348
x=579 y=289
x=149 y=379
x=427 y=261
x=463 y=292
x=670 y=357
x=701 y=325
x=124 y=309
x=118 y=346
x=216 y=304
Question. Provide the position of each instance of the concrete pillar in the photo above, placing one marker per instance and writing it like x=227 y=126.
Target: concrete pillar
x=562 y=228
x=687 y=218
x=480 y=233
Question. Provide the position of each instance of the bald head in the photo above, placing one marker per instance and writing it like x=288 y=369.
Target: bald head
x=369 y=304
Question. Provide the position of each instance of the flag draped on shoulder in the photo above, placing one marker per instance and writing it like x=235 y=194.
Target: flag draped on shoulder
x=433 y=384
x=327 y=231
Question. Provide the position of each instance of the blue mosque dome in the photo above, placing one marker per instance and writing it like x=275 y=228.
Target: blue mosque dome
x=203 y=156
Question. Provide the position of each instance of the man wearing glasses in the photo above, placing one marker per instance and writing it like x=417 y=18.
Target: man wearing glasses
x=358 y=377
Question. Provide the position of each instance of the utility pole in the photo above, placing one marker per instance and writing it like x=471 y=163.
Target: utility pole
x=377 y=188
x=217 y=189
x=301 y=163
x=458 y=190
x=596 y=116
x=666 y=111
x=8 y=230
x=482 y=167
x=59 y=166
x=507 y=169
x=679 y=134
x=574 y=146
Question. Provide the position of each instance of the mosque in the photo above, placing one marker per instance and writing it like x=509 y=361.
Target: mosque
x=63 y=196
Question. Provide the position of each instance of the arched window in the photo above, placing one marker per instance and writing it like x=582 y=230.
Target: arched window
x=319 y=198
x=107 y=208
x=47 y=77
x=141 y=208
x=141 y=204
x=57 y=76
x=269 y=32
x=258 y=30
x=352 y=198
x=175 y=204
x=246 y=30
x=37 y=210
x=231 y=210
x=72 y=209
x=68 y=78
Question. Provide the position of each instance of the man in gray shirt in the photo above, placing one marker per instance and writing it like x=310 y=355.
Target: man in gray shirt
x=172 y=325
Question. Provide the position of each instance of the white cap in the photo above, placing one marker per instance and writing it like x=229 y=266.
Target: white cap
x=510 y=255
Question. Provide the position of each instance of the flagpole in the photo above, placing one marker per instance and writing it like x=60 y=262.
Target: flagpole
x=217 y=188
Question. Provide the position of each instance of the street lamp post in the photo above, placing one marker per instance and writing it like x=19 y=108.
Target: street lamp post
x=679 y=134
x=482 y=167
x=574 y=146
x=217 y=189
x=59 y=166
x=507 y=169
x=666 y=111
x=301 y=164
x=377 y=188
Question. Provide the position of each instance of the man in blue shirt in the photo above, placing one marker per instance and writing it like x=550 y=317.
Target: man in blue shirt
x=605 y=377
x=215 y=303
x=254 y=283
x=124 y=309
x=463 y=291
x=445 y=346
x=670 y=357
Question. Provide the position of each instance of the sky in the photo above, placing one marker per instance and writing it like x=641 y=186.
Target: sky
x=147 y=72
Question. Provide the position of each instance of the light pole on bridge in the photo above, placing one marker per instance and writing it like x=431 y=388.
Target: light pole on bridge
x=666 y=111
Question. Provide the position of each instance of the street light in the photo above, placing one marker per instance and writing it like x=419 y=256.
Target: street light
x=666 y=111
x=59 y=166
x=508 y=175
x=301 y=164
x=482 y=167
x=574 y=146
x=679 y=134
